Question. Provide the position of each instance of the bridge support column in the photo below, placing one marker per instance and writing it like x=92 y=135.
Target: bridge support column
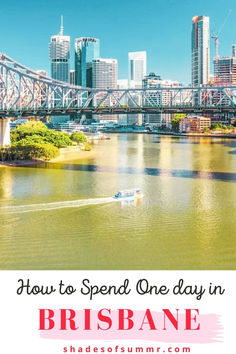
x=5 y=131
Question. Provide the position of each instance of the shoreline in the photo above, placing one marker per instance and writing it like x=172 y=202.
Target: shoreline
x=227 y=136
x=66 y=154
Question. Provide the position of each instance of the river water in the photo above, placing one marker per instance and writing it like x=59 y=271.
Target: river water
x=63 y=216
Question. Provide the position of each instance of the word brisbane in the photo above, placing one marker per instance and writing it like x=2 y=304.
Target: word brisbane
x=121 y=319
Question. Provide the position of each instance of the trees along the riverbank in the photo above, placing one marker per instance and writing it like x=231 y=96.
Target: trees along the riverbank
x=175 y=121
x=34 y=140
x=38 y=132
x=30 y=151
x=79 y=137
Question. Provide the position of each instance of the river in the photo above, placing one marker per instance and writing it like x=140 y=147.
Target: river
x=63 y=216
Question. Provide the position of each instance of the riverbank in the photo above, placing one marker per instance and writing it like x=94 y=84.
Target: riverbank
x=74 y=153
x=66 y=154
x=227 y=136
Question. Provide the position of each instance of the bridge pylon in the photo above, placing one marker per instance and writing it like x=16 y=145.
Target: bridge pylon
x=5 y=138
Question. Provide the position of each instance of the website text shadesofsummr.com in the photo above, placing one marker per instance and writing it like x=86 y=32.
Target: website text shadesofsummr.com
x=124 y=349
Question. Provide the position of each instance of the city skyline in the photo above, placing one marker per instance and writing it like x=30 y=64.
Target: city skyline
x=119 y=34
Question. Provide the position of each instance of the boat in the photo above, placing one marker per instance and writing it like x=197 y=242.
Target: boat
x=129 y=194
x=97 y=136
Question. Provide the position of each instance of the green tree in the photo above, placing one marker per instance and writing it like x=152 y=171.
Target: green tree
x=175 y=121
x=38 y=132
x=29 y=151
x=29 y=128
x=87 y=147
x=79 y=137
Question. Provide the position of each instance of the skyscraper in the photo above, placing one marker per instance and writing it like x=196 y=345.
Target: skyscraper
x=104 y=73
x=200 y=50
x=59 y=54
x=158 y=98
x=104 y=76
x=86 y=50
x=225 y=69
x=137 y=68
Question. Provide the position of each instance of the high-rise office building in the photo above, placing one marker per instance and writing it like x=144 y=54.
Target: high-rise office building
x=200 y=50
x=152 y=81
x=104 y=76
x=137 y=68
x=59 y=53
x=225 y=69
x=104 y=73
x=158 y=98
x=87 y=49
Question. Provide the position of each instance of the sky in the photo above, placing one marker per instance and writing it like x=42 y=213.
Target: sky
x=161 y=27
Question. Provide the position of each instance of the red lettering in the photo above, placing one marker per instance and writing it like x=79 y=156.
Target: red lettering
x=172 y=319
x=189 y=319
x=105 y=319
x=87 y=319
x=122 y=319
x=43 y=318
x=64 y=319
x=149 y=321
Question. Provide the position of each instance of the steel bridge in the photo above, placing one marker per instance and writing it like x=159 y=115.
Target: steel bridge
x=25 y=92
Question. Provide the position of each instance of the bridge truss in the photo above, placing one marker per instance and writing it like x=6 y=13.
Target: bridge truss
x=24 y=92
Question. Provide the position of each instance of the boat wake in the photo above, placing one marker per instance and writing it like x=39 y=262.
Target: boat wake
x=56 y=205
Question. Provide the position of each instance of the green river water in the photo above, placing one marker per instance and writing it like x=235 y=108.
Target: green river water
x=186 y=220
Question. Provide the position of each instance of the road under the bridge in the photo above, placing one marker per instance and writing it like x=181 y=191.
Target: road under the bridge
x=5 y=132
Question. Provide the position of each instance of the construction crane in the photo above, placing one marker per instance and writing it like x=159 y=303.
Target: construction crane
x=216 y=36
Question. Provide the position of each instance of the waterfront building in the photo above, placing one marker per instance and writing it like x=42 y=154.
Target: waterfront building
x=59 y=55
x=137 y=68
x=194 y=124
x=158 y=98
x=200 y=50
x=87 y=49
x=225 y=69
x=104 y=73
x=152 y=81
x=67 y=127
x=104 y=76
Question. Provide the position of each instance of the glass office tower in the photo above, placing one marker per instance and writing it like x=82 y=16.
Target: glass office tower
x=137 y=68
x=200 y=50
x=87 y=49
x=59 y=55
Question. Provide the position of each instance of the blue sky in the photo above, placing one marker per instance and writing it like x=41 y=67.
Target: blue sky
x=161 y=27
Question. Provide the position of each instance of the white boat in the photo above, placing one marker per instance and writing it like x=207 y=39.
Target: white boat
x=129 y=194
